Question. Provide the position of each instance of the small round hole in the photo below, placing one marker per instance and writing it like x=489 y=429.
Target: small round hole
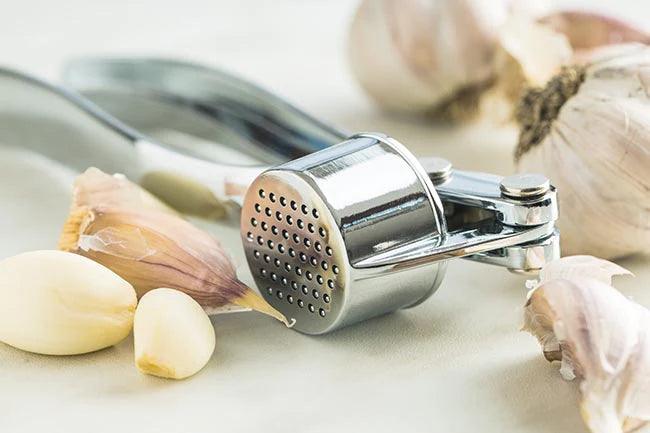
x=335 y=269
x=262 y=193
x=290 y=299
x=324 y=265
x=263 y=272
x=292 y=252
x=277 y=262
x=330 y=284
x=281 y=248
x=318 y=246
x=294 y=285
x=321 y=312
x=310 y=227
x=271 y=244
x=309 y=275
x=303 y=257
x=313 y=261
x=319 y=278
x=289 y=220
x=301 y=303
x=253 y=222
x=314 y=212
x=265 y=226
x=315 y=293
x=304 y=289
x=284 y=281
x=287 y=266
x=326 y=298
x=294 y=206
x=272 y=197
x=274 y=276
x=258 y=208
x=260 y=240
x=303 y=208
x=328 y=250
x=270 y=290
x=267 y=258
x=256 y=254
x=267 y=211
x=311 y=308
x=307 y=242
x=278 y=215
x=283 y=201
x=285 y=234
x=298 y=271
x=322 y=232
x=296 y=238
x=300 y=224
x=274 y=230
x=249 y=236
x=280 y=294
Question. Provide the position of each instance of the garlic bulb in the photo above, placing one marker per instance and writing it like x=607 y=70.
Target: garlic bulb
x=425 y=55
x=172 y=335
x=57 y=303
x=152 y=249
x=599 y=336
x=589 y=131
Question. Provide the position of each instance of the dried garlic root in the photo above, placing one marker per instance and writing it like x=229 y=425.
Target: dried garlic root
x=172 y=335
x=152 y=249
x=57 y=303
x=599 y=336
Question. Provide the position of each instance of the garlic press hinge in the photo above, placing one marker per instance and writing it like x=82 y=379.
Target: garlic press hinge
x=515 y=214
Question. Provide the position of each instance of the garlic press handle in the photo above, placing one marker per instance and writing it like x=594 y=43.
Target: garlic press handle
x=507 y=221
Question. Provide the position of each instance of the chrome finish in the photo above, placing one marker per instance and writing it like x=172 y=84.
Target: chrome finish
x=438 y=169
x=525 y=185
x=389 y=231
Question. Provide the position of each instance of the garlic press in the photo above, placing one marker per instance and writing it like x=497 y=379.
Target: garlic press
x=335 y=230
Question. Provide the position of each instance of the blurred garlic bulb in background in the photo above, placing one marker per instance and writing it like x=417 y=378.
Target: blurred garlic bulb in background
x=459 y=58
x=422 y=55
x=589 y=131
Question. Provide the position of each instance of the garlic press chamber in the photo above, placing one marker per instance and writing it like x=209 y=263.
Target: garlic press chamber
x=363 y=228
x=335 y=230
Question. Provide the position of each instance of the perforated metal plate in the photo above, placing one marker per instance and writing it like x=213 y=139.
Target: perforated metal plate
x=295 y=250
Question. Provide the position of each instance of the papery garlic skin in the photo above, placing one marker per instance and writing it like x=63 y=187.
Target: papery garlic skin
x=58 y=303
x=590 y=133
x=172 y=335
x=416 y=55
x=599 y=336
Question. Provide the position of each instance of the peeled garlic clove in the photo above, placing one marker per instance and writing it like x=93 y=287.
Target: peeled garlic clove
x=588 y=30
x=172 y=335
x=58 y=303
x=600 y=337
x=588 y=129
x=424 y=55
x=153 y=249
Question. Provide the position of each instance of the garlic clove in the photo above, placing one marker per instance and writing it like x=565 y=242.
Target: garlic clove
x=572 y=267
x=588 y=130
x=57 y=303
x=172 y=335
x=153 y=249
x=94 y=187
x=588 y=30
x=600 y=337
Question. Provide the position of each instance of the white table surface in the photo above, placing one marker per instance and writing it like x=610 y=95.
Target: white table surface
x=457 y=363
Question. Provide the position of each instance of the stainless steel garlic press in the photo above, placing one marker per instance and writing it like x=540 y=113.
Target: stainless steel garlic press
x=341 y=231
x=363 y=228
